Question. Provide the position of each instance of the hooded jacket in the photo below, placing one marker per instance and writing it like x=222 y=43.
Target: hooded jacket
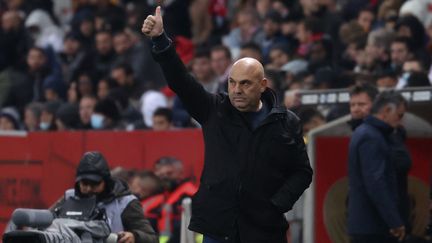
x=123 y=210
x=49 y=34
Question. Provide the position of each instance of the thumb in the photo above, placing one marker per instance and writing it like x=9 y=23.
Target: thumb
x=158 y=12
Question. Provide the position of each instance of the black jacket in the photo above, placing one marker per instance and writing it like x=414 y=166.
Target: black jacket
x=250 y=176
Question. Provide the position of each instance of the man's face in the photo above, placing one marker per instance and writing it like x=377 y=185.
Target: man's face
x=201 y=68
x=270 y=27
x=219 y=62
x=121 y=43
x=86 y=108
x=245 y=22
x=170 y=172
x=317 y=52
x=103 y=89
x=10 y=21
x=278 y=58
x=386 y=82
x=35 y=59
x=88 y=187
x=399 y=53
x=365 y=20
x=393 y=116
x=103 y=43
x=245 y=88
x=119 y=75
x=71 y=46
x=161 y=123
x=360 y=105
x=6 y=124
x=46 y=117
x=302 y=34
x=31 y=120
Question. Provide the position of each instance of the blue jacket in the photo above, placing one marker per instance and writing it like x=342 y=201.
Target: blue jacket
x=373 y=195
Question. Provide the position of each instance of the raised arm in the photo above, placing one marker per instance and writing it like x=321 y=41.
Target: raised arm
x=197 y=101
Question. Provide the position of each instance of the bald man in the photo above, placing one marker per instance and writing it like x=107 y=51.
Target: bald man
x=256 y=165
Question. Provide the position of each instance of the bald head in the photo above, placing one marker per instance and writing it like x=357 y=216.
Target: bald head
x=246 y=84
x=249 y=65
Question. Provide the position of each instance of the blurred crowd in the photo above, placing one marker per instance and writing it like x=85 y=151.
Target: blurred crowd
x=84 y=64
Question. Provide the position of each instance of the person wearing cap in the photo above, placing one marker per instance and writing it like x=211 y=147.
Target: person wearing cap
x=123 y=210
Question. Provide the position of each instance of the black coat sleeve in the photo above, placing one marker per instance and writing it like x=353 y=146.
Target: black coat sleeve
x=196 y=100
x=300 y=175
x=133 y=221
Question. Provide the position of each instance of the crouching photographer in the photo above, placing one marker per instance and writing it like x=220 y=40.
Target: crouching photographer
x=99 y=204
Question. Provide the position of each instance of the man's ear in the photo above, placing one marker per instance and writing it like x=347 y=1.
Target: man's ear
x=263 y=84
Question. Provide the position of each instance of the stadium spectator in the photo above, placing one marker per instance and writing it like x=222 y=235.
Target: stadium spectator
x=106 y=116
x=9 y=119
x=177 y=187
x=400 y=51
x=32 y=115
x=67 y=117
x=272 y=31
x=248 y=30
x=86 y=108
x=104 y=55
x=48 y=116
x=279 y=55
x=145 y=184
x=163 y=119
x=251 y=50
x=13 y=34
x=221 y=61
x=43 y=30
x=310 y=118
x=74 y=58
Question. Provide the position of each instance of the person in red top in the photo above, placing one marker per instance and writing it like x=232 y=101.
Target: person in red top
x=164 y=210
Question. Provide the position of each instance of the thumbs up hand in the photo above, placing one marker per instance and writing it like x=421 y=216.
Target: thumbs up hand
x=153 y=24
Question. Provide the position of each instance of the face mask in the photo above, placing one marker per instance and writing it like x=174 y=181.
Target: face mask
x=96 y=121
x=44 y=126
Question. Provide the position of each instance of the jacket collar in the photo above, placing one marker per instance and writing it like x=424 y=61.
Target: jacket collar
x=379 y=124
x=269 y=97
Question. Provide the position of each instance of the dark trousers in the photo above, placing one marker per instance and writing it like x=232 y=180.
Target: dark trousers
x=210 y=240
x=372 y=239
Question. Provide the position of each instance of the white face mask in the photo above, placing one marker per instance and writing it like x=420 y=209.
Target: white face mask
x=97 y=121
x=44 y=126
